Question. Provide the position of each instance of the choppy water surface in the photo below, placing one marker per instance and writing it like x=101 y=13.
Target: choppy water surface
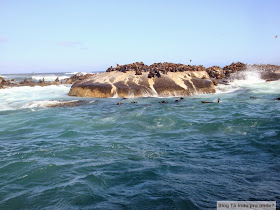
x=184 y=155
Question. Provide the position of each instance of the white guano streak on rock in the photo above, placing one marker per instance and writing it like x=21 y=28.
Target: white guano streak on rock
x=178 y=79
x=151 y=83
x=112 y=78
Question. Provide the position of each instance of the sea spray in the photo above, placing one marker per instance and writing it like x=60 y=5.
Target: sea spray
x=249 y=76
x=22 y=97
x=242 y=79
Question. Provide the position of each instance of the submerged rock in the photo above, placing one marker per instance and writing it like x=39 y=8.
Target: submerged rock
x=68 y=103
x=118 y=84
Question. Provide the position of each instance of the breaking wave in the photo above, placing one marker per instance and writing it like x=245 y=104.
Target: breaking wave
x=49 y=78
x=250 y=78
x=30 y=97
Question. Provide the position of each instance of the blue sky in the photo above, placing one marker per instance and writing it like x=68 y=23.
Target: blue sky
x=72 y=35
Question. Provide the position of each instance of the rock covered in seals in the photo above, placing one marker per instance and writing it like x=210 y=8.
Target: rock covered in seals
x=127 y=85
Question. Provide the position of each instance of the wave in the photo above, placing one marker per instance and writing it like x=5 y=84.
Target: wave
x=243 y=79
x=30 y=97
x=73 y=73
x=45 y=103
x=35 y=104
x=49 y=78
x=249 y=77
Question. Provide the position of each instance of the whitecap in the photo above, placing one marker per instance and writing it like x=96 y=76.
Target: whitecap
x=49 y=78
x=37 y=104
x=28 y=97
x=45 y=103
x=251 y=78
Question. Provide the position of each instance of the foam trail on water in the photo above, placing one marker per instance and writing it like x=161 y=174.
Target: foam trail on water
x=34 y=104
x=45 y=103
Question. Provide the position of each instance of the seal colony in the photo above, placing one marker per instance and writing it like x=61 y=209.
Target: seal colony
x=162 y=80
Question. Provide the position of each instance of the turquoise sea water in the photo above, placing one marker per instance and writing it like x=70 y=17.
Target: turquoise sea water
x=184 y=155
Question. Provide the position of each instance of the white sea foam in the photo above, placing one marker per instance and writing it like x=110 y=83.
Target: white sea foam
x=45 y=103
x=30 y=97
x=267 y=88
x=247 y=78
x=244 y=79
x=221 y=88
x=34 y=104
x=48 y=77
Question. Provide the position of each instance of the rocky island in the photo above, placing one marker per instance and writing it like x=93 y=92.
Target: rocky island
x=13 y=83
x=162 y=80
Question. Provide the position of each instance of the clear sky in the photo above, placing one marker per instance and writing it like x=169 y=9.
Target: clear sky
x=81 y=35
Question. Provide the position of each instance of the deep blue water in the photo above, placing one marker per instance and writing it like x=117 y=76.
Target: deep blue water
x=148 y=155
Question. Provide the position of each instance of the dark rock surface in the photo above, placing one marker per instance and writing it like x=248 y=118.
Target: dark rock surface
x=69 y=103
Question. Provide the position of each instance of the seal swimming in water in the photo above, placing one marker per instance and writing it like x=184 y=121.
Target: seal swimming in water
x=163 y=102
x=208 y=102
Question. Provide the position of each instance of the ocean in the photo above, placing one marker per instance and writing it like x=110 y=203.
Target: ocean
x=148 y=155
